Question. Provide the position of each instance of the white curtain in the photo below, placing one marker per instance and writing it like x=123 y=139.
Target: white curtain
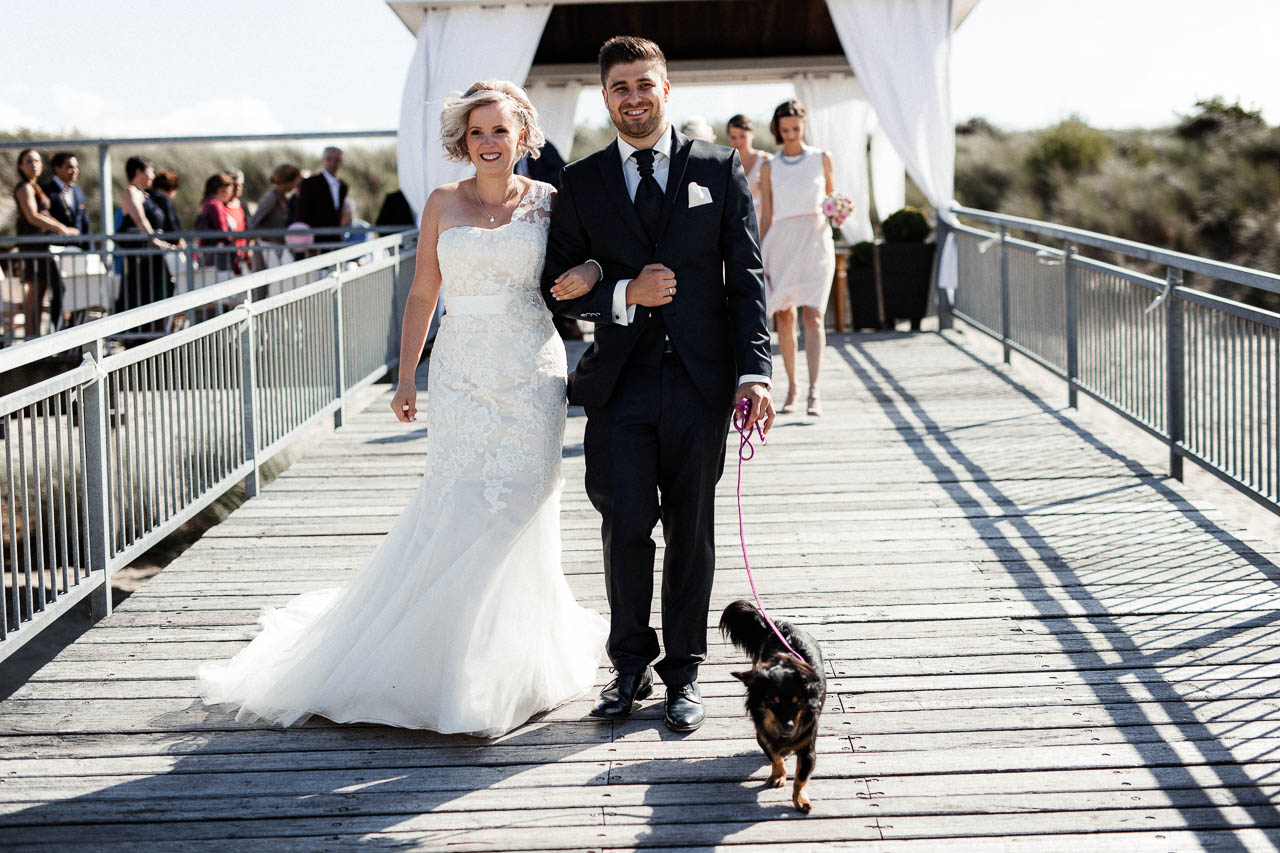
x=449 y=58
x=837 y=113
x=556 y=105
x=888 y=176
x=901 y=51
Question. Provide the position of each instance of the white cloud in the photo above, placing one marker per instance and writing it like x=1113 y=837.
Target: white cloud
x=62 y=108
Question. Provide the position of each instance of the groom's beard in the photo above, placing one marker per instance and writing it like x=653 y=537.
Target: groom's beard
x=642 y=127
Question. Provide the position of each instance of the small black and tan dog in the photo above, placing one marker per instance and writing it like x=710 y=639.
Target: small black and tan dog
x=784 y=694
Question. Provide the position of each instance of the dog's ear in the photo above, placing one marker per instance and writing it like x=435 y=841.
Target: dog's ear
x=745 y=677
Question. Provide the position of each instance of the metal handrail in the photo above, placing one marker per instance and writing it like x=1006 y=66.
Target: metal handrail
x=102 y=461
x=1140 y=251
x=105 y=327
x=1199 y=371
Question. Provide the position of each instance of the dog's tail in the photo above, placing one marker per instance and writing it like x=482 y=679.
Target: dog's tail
x=742 y=625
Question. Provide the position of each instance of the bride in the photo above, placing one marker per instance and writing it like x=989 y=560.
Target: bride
x=462 y=620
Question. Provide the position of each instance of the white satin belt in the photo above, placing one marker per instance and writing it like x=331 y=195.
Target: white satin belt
x=480 y=304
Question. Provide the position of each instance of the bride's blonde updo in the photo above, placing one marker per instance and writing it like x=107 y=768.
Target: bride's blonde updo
x=457 y=112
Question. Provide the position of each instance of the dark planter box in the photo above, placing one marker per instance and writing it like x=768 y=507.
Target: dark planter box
x=864 y=302
x=902 y=292
x=905 y=271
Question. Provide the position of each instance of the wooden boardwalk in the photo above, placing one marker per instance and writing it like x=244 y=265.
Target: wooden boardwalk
x=1034 y=643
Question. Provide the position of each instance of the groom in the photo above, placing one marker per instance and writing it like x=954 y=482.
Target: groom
x=680 y=338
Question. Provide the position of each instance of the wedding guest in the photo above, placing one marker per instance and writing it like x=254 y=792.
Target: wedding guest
x=238 y=221
x=546 y=168
x=799 y=252
x=275 y=212
x=698 y=127
x=66 y=199
x=742 y=138
x=145 y=276
x=163 y=189
x=213 y=217
x=39 y=270
x=320 y=197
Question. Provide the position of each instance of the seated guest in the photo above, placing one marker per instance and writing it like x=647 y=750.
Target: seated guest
x=213 y=217
x=275 y=212
x=39 y=271
x=146 y=277
x=320 y=197
x=162 y=191
x=66 y=199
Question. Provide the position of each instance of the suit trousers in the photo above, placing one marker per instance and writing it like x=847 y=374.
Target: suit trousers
x=655 y=453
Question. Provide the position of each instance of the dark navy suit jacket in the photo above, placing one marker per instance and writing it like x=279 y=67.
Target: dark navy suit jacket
x=717 y=324
x=77 y=217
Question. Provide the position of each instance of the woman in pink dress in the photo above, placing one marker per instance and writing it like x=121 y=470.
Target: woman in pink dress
x=741 y=136
x=799 y=253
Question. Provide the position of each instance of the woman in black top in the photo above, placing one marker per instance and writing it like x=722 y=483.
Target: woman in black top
x=39 y=270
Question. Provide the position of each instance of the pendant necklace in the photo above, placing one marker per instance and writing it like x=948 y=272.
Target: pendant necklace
x=492 y=218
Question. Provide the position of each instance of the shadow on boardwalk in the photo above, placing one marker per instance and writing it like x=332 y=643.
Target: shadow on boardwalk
x=1115 y=650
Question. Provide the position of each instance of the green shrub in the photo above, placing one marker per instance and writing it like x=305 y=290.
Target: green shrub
x=908 y=225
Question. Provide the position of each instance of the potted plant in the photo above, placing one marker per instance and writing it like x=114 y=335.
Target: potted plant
x=906 y=266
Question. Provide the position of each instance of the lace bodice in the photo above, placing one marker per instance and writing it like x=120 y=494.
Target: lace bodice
x=496 y=386
x=502 y=264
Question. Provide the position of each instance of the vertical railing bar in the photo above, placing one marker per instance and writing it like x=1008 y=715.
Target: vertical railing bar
x=62 y=420
x=248 y=382
x=94 y=429
x=165 y=373
x=152 y=453
x=206 y=414
x=186 y=408
x=136 y=469
x=13 y=534
x=49 y=562
x=76 y=463
x=36 y=603
x=26 y=514
x=1004 y=294
x=1173 y=347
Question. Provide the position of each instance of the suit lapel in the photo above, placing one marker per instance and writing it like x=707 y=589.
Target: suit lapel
x=616 y=188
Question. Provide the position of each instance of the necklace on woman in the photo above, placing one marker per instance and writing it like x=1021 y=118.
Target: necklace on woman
x=492 y=218
x=791 y=159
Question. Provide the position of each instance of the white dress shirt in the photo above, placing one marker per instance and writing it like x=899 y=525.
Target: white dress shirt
x=68 y=196
x=333 y=187
x=624 y=314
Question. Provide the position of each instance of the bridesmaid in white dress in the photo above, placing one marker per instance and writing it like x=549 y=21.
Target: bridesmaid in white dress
x=462 y=620
x=742 y=135
x=799 y=253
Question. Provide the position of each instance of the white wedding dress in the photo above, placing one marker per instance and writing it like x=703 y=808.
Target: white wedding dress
x=462 y=620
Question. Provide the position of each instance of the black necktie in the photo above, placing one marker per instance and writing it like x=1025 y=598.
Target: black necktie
x=648 y=199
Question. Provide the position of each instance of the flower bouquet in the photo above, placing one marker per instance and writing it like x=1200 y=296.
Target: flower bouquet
x=837 y=207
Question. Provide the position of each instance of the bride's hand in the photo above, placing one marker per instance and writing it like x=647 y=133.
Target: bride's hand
x=404 y=403
x=576 y=282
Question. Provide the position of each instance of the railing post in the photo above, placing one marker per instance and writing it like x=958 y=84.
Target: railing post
x=248 y=396
x=946 y=320
x=1004 y=294
x=1176 y=386
x=98 y=513
x=106 y=203
x=1073 y=327
x=339 y=354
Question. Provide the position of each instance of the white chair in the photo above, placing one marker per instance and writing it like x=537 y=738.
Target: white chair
x=87 y=283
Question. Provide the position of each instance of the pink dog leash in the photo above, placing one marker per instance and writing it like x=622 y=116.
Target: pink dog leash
x=746 y=452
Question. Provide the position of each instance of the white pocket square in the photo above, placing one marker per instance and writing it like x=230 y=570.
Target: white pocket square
x=698 y=195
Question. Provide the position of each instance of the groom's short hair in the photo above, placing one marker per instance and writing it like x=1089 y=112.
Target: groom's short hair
x=620 y=50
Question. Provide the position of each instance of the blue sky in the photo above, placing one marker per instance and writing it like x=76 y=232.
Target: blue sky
x=179 y=66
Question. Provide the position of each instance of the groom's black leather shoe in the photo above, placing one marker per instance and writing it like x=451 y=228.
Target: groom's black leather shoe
x=620 y=695
x=684 y=711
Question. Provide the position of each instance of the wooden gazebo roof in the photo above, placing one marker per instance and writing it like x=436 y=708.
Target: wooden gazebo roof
x=706 y=41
